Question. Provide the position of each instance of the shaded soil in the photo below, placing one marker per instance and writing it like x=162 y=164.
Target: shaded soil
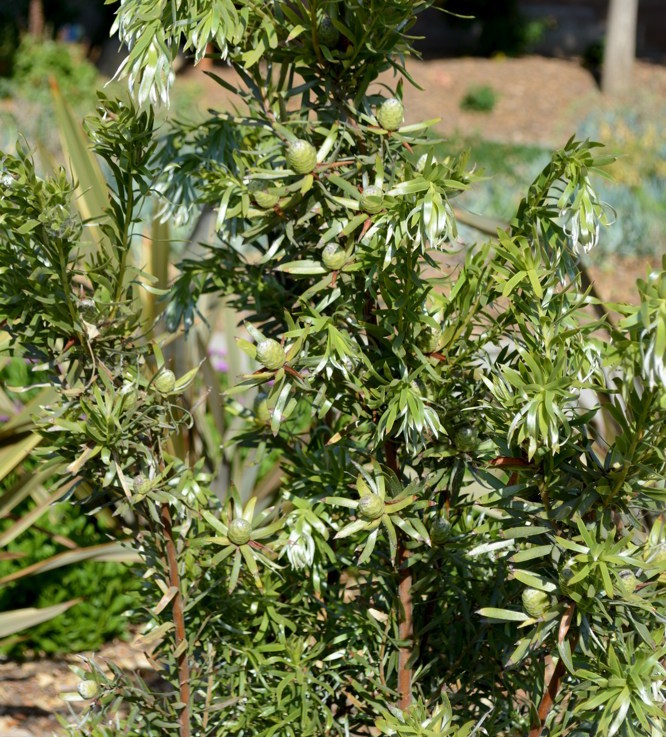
x=31 y=692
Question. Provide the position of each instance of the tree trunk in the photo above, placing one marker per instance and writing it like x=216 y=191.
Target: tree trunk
x=36 y=18
x=620 y=48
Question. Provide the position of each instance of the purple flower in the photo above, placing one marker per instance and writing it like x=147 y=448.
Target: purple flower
x=219 y=364
x=218 y=354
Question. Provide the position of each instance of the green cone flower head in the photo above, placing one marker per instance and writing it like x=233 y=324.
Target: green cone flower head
x=301 y=156
x=333 y=257
x=429 y=340
x=466 y=438
x=371 y=507
x=327 y=33
x=262 y=412
x=140 y=484
x=535 y=602
x=440 y=531
x=371 y=199
x=390 y=114
x=87 y=689
x=271 y=354
x=59 y=222
x=240 y=531
x=87 y=309
x=627 y=581
x=264 y=196
x=165 y=382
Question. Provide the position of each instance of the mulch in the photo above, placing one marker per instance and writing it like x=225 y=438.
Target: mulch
x=32 y=691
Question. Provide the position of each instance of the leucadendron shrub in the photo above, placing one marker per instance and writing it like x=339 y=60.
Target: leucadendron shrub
x=468 y=537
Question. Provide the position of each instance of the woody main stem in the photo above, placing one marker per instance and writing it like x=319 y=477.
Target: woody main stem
x=405 y=630
x=406 y=621
x=179 y=623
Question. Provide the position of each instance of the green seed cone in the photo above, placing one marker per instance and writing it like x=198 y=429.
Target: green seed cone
x=301 y=156
x=440 y=531
x=535 y=602
x=165 y=382
x=371 y=199
x=333 y=257
x=87 y=689
x=271 y=354
x=262 y=412
x=627 y=582
x=466 y=438
x=371 y=507
x=240 y=532
x=429 y=340
x=390 y=114
x=140 y=484
x=264 y=196
x=327 y=33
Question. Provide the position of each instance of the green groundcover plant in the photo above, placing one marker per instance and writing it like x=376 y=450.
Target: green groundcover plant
x=105 y=593
x=468 y=537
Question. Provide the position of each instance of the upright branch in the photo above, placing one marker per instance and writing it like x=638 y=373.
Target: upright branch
x=555 y=682
x=405 y=613
x=179 y=623
x=406 y=629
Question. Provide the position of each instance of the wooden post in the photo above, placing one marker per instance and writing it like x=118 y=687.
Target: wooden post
x=620 y=50
x=36 y=18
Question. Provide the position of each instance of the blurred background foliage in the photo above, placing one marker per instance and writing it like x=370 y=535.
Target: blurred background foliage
x=108 y=592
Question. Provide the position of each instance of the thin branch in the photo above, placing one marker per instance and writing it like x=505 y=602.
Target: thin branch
x=405 y=629
x=548 y=699
x=179 y=622
x=405 y=614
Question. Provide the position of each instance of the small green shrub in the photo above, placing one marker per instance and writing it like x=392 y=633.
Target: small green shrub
x=107 y=590
x=456 y=512
x=479 y=98
x=37 y=61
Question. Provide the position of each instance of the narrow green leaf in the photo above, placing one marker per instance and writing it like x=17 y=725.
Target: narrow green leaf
x=504 y=615
x=17 y=620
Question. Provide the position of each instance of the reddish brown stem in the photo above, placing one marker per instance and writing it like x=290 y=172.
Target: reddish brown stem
x=293 y=372
x=406 y=620
x=366 y=224
x=335 y=164
x=504 y=462
x=179 y=622
x=405 y=630
x=548 y=699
